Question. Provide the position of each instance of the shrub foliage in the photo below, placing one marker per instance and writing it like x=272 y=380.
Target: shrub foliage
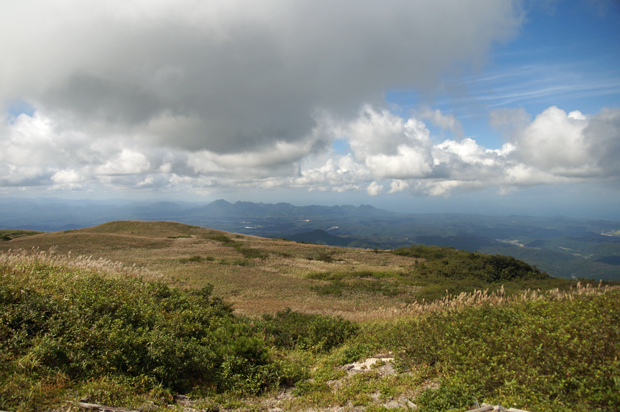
x=85 y=325
x=290 y=330
x=460 y=264
x=544 y=354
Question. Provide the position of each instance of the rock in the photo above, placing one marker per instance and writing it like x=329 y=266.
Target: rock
x=365 y=366
x=392 y=405
x=335 y=385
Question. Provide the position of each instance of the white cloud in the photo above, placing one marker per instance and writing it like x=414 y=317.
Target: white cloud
x=185 y=95
x=398 y=185
x=125 y=163
x=374 y=189
x=554 y=148
x=66 y=176
x=386 y=149
x=236 y=91
x=444 y=121
x=555 y=142
x=231 y=76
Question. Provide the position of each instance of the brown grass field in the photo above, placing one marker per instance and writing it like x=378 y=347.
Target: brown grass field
x=191 y=256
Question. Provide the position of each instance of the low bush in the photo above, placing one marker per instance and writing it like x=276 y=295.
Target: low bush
x=289 y=330
x=325 y=256
x=9 y=234
x=221 y=238
x=545 y=354
x=250 y=253
x=460 y=264
x=85 y=324
x=361 y=281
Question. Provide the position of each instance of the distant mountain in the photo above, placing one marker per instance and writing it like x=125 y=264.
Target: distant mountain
x=221 y=208
x=561 y=246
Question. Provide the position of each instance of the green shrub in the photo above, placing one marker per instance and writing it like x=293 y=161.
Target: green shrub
x=288 y=330
x=537 y=354
x=459 y=264
x=447 y=397
x=333 y=289
x=326 y=256
x=364 y=281
x=250 y=253
x=221 y=238
x=85 y=326
x=195 y=259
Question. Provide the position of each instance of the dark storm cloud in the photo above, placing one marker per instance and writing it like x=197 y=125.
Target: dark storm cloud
x=238 y=75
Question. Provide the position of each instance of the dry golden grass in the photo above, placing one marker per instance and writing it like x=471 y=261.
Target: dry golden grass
x=21 y=260
x=191 y=256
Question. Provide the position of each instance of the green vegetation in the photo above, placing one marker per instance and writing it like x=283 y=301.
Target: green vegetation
x=221 y=238
x=455 y=326
x=79 y=326
x=552 y=352
x=460 y=264
x=293 y=330
x=197 y=259
x=250 y=253
x=437 y=272
x=364 y=281
x=9 y=234
x=543 y=354
x=326 y=256
x=74 y=327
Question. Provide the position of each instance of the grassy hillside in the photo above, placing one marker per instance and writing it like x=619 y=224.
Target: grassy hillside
x=152 y=310
x=146 y=229
x=263 y=275
x=78 y=329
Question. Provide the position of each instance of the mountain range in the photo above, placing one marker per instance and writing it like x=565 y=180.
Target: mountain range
x=562 y=246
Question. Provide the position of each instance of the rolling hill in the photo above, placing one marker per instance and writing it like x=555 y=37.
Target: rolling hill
x=564 y=247
x=161 y=315
x=262 y=275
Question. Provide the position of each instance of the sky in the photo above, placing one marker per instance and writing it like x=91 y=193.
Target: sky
x=483 y=106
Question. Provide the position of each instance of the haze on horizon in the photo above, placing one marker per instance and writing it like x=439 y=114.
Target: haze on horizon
x=484 y=106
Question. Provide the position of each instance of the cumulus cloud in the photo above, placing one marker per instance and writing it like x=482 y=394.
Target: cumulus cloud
x=125 y=163
x=444 y=121
x=385 y=150
x=398 y=185
x=374 y=189
x=555 y=142
x=66 y=176
x=555 y=147
x=234 y=76
x=185 y=95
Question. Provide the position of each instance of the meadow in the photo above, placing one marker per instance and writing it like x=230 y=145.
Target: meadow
x=160 y=315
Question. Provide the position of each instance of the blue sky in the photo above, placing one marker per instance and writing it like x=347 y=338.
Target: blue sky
x=565 y=54
x=485 y=106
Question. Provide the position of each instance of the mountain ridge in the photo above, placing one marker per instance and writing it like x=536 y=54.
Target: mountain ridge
x=560 y=245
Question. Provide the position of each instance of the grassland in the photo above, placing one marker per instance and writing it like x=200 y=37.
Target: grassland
x=259 y=275
x=133 y=314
